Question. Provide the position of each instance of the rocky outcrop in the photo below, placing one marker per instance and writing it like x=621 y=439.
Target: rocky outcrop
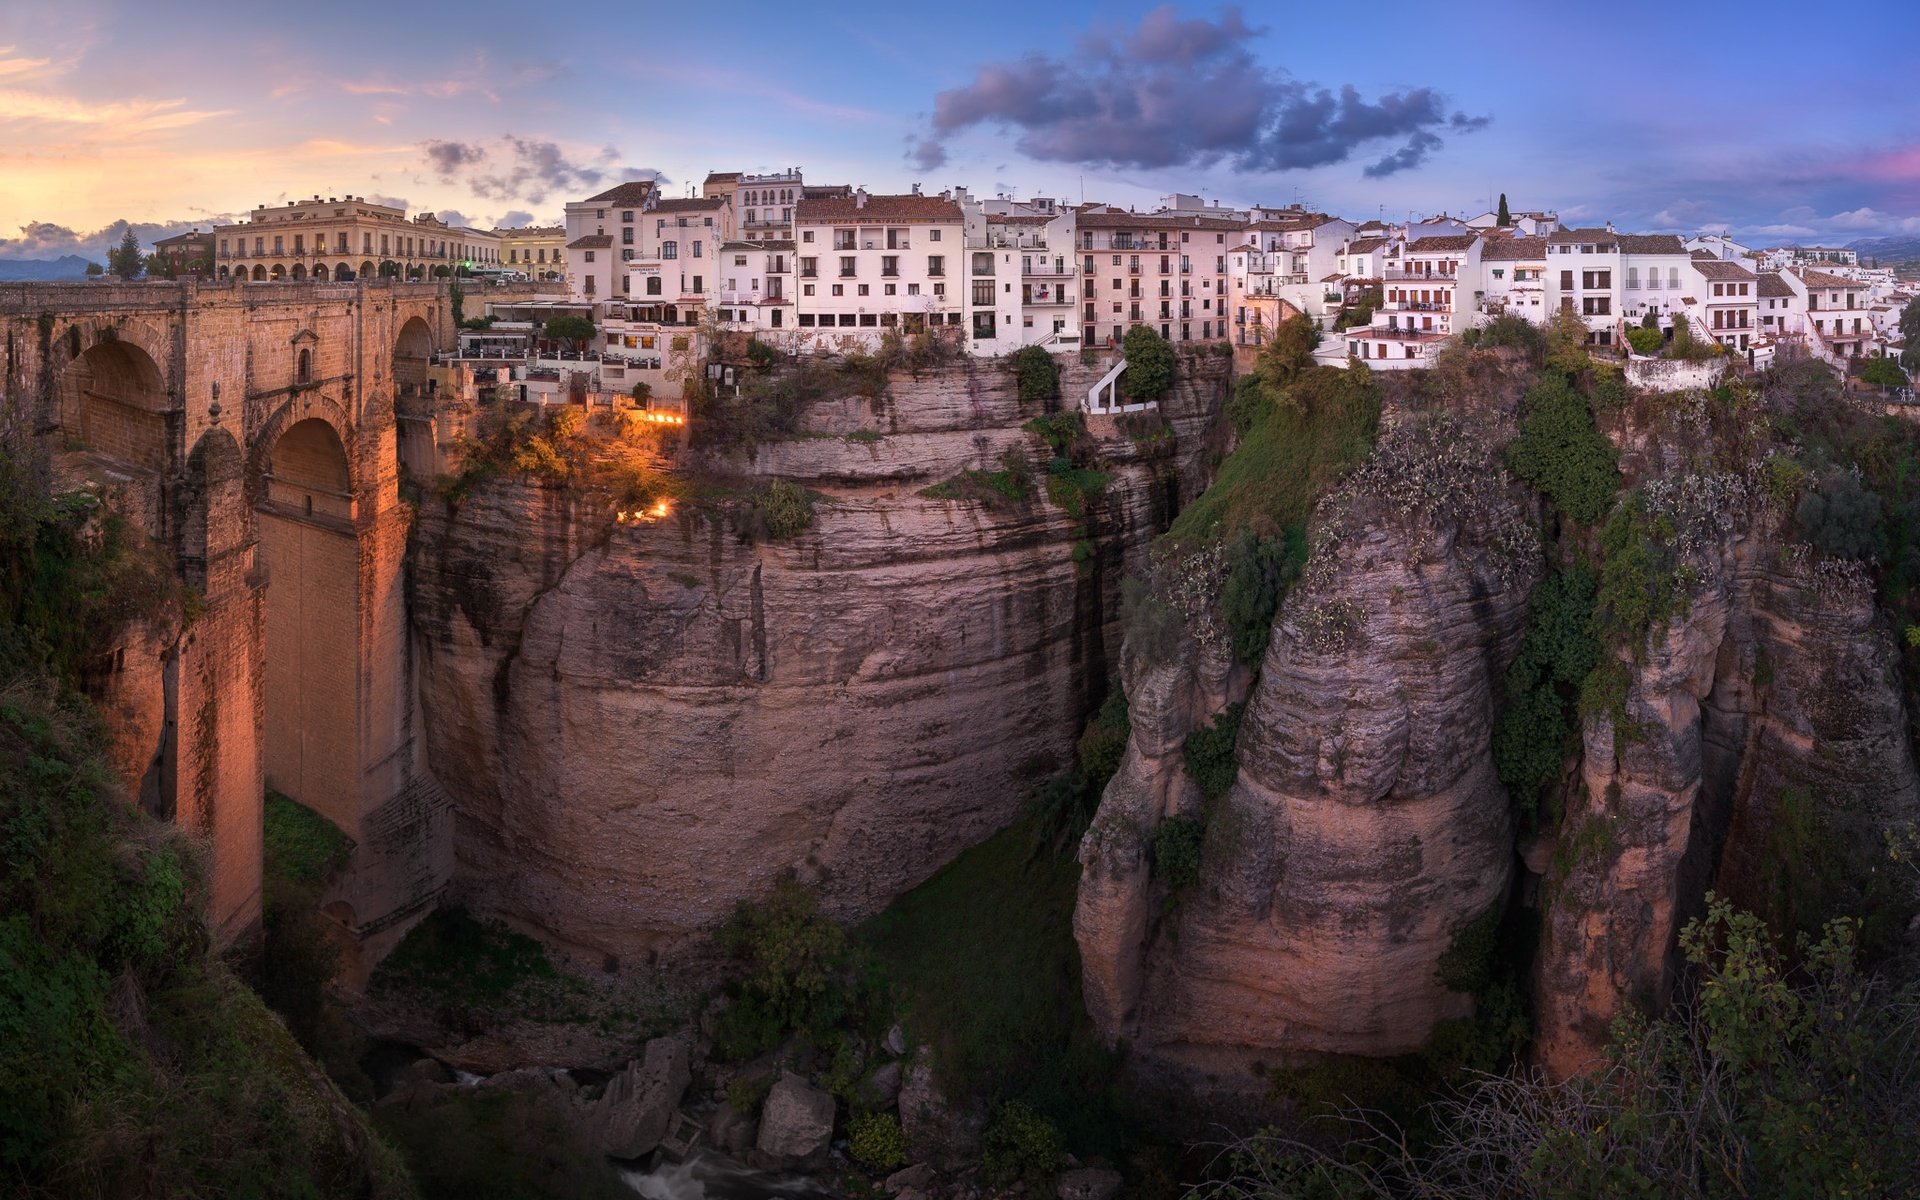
x=1366 y=825
x=1772 y=696
x=616 y=711
x=940 y=1131
x=634 y=1111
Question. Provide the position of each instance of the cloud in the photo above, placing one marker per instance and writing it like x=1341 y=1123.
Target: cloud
x=528 y=169
x=121 y=117
x=1184 y=92
x=517 y=218
x=45 y=239
x=454 y=216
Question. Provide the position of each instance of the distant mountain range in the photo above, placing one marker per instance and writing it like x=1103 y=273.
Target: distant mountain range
x=1889 y=250
x=67 y=266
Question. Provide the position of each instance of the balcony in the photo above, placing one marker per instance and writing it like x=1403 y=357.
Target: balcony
x=1418 y=277
x=848 y=274
x=892 y=274
x=813 y=274
x=1416 y=306
x=936 y=272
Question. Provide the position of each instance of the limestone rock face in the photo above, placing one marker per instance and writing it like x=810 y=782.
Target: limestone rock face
x=1366 y=824
x=797 y=1121
x=641 y=726
x=1777 y=686
x=939 y=1132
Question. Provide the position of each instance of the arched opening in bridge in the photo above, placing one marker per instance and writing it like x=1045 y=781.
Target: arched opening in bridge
x=412 y=350
x=311 y=559
x=112 y=406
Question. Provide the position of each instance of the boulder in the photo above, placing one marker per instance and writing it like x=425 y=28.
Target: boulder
x=919 y=1178
x=631 y=1116
x=938 y=1131
x=796 y=1122
x=1088 y=1183
x=882 y=1088
x=896 y=1042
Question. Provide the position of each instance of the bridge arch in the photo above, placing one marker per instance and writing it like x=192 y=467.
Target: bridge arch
x=305 y=514
x=412 y=351
x=111 y=403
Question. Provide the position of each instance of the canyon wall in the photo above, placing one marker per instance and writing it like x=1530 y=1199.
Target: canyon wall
x=642 y=724
x=1366 y=825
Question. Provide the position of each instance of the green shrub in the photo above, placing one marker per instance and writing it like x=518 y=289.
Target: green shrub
x=1061 y=429
x=1012 y=484
x=1288 y=353
x=796 y=973
x=779 y=511
x=1154 y=628
x=760 y=354
x=1038 y=375
x=1210 y=754
x=301 y=845
x=1514 y=332
x=1151 y=364
x=1844 y=518
x=1260 y=570
x=1537 y=727
x=1560 y=451
x=1075 y=489
x=1104 y=741
x=875 y=1140
x=1020 y=1145
x=1645 y=341
x=1177 y=843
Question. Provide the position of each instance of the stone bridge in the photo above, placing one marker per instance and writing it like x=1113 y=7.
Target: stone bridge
x=250 y=430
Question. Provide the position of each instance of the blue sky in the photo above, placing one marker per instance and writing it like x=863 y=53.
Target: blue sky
x=1658 y=116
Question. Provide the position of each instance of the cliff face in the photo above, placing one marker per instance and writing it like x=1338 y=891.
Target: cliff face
x=641 y=727
x=1366 y=824
x=1773 y=699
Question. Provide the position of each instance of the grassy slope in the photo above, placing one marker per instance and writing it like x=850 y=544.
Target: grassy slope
x=983 y=958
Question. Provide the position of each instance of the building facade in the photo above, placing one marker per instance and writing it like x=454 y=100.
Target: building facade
x=536 y=251
x=868 y=264
x=345 y=238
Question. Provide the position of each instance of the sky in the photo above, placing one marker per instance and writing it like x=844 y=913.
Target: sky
x=1666 y=116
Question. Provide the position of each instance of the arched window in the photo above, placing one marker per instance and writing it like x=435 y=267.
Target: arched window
x=304 y=372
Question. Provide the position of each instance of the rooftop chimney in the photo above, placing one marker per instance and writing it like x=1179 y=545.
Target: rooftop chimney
x=860 y=197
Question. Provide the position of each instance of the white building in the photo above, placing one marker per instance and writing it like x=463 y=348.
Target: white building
x=869 y=264
x=755 y=293
x=1725 y=301
x=1513 y=278
x=1720 y=246
x=764 y=204
x=1022 y=281
x=1834 y=311
x=1612 y=279
x=591 y=273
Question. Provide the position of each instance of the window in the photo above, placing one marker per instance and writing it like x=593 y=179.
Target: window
x=891 y=289
x=940 y=289
x=809 y=268
x=1596 y=279
x=933 y=235
x=983 y=293
x=846 y=267
x=889 y=266
x=839 y=289
x=626 y=216
x=936 y=265
x=653 y=285
x=697 y=243
x=806 y=235
x=863 y=289
x=590 y=259
x=806 y=320
x=1566 y=281
x=806 y=289
x=843 y=239
x=1498 y=273
x=739 y=260
x=667 y=250
x=626 y=255
x=913 y=289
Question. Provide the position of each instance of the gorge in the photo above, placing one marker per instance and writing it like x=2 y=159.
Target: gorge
x=1405 y=719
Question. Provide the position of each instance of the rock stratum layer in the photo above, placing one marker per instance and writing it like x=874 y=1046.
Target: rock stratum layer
x=644 y=726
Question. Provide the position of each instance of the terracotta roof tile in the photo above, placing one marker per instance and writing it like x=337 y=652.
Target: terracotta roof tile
x=1772 y=285
x=1435 y=245
x=626 y=195
x=1713 y=268
x=1650 y=243
x=1365 y=245
x=1820 y=279
x=1514 y=249
x=877 y=209
x=593 y=241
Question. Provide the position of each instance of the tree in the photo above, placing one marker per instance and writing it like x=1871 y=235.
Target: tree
x=1150 y=363
x=569 y=328
x=1562 y=453
x=389 y=269
x=125 y=260
x=1289 y=352
x=157 y=265
x=1882 y=372
x=95 y=270
x=1910 y=329
x=1505 y=218
x=1567 y=342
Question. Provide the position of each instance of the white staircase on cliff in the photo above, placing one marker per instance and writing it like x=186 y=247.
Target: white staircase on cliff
x=1103 y=398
